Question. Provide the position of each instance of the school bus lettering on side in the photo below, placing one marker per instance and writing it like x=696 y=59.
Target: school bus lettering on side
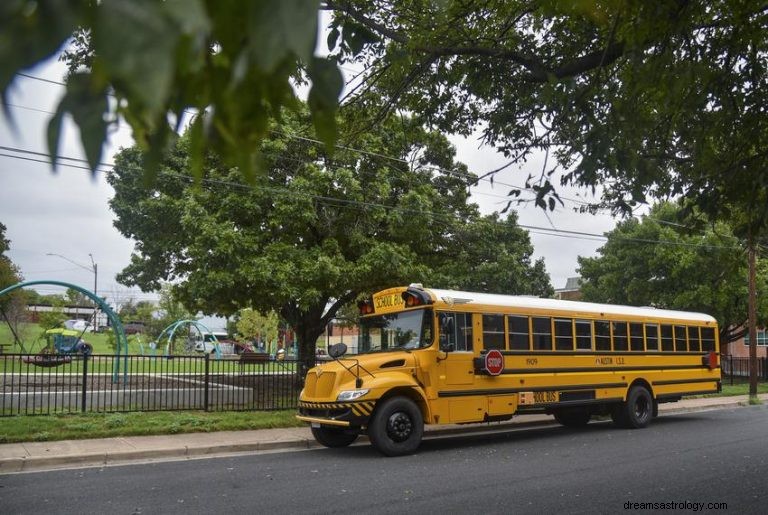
x=430 y=356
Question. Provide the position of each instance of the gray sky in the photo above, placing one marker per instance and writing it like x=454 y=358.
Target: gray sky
x=67 y=213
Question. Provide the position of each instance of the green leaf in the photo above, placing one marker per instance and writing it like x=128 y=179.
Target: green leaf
x=197 y=147
x=327 y=84
x=54 y=133
x=136 y=44
x=278 y=28
x=88 y=108
x=332 y=39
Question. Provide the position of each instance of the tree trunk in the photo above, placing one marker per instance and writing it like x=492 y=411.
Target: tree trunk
x=306 y=336
x=752 y=323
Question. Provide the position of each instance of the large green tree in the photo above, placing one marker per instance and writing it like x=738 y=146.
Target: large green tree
x=309 y=236
x=494 y=255
x=657 y=262
x=635 y=98
x=13 y=305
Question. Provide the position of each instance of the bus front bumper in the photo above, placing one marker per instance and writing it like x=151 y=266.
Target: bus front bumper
x=340 y=414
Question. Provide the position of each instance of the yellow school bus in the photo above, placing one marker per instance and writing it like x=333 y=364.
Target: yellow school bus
x=429 y=356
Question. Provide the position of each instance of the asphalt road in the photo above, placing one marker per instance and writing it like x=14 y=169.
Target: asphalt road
x=706 y=458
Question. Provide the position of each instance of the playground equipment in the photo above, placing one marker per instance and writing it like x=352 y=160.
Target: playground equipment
x=208 y=338
x=61 y=344
x=121 y=349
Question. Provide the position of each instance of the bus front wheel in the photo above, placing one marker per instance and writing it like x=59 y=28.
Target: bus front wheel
x=334 y=437
x=396 y=427
x=636 y=412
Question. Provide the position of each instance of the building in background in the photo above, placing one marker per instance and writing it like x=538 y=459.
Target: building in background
x=572 y=290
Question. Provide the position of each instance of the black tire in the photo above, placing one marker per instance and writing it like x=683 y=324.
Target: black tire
x=396 y=427
x=573 y=417
x=637 y=411
x=334 y=437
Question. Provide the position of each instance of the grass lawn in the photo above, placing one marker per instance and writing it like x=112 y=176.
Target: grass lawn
x=103 y=425
x=738 y=388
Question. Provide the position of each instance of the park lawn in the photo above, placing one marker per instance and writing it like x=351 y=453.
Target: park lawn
x=738 y=388
x=41 y=428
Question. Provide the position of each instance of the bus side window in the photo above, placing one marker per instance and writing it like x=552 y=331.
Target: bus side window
x=602 y=335
x=583 y=335
x=652 y=336
x=666 y=338
x=447 y=323
x=542 y=333
x=708 y=339
x=455 y=331
x=620 y=336
x=493 y=332
x=563 y=334
x=694 y=341
x=681 y=338
x=636 y=336
x=518 y=332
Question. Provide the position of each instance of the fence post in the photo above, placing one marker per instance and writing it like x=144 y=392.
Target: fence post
x=207 y=382
x=730 y=368
x=84 y=394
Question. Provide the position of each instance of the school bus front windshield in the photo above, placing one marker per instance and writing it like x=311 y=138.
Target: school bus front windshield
x=396 y=331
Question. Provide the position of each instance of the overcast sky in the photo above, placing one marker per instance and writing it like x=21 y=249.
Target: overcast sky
x=66 y=213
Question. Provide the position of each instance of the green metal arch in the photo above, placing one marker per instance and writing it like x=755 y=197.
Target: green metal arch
x=117 y=325
x=171 y=330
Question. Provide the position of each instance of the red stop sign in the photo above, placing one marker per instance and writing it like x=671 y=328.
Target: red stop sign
x=494 y=362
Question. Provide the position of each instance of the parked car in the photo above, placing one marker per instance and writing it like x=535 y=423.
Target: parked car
x=134 y=327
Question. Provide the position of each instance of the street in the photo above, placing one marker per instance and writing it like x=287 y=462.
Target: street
x=712 y=461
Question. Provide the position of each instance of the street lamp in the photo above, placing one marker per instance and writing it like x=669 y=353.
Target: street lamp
x=93 y=268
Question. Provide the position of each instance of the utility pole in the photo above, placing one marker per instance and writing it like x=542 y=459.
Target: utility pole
x=752 y=320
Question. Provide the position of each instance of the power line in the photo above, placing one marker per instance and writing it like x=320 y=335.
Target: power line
x=471 y=177
x=340 y=202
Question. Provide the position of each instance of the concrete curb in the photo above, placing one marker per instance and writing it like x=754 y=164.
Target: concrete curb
x=181 y=447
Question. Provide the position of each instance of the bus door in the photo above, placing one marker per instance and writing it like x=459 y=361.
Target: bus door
x=456 y=370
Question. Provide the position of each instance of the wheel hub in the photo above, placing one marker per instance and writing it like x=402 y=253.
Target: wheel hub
x=399 y=426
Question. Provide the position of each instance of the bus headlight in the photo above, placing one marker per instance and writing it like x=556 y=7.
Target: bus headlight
x=351 y=395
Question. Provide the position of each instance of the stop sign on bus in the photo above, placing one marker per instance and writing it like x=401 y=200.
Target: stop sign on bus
x=494 y=362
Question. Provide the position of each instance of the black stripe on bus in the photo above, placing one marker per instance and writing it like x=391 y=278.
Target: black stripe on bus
x=533 y=407
x=502 y=391
x=598 y=369
x=678 y=394
x=606 y=353
x=685 y=381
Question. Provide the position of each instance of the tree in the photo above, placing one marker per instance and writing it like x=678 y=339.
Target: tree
x=657 y=262
x=151 y=63
x=494 y=256
x=257 y=327
x=633 y=98
x=12 y=305
x=308 y=237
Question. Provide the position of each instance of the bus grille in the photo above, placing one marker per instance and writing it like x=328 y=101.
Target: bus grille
x=320 y=386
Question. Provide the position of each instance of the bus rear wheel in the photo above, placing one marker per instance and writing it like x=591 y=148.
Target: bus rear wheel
x=334 y=437
x=637 y=411
x=396 y=427
x=572 y=417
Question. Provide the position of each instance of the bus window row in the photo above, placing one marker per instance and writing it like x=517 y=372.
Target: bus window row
x=516 y=332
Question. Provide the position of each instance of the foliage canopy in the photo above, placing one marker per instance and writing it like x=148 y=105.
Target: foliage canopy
x=314 y=233
x=657 y=262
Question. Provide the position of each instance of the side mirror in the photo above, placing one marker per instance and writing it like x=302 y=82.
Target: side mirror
x=337 y=350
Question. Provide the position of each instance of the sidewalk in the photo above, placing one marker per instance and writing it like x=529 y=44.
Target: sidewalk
x=38 y=456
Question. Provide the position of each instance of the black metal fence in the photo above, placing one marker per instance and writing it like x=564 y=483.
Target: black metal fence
x=32 y=384
x=736 y=370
